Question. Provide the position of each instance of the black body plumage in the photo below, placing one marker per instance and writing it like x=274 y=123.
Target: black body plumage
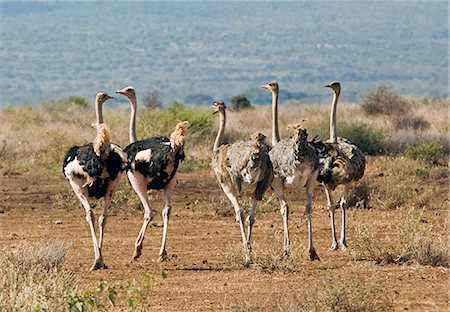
x=94 y=166
x=155 y=168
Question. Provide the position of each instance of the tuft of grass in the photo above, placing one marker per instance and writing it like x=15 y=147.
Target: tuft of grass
x=269 y=259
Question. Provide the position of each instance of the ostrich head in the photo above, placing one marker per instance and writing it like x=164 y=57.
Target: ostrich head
x=129 y=92
x=101 y=97
x=218 y=107
x=272 y=86
x=335 y=85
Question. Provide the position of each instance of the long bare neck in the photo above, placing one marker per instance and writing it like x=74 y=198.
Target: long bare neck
x=220 y=133
x=133 y=121
x=275 y=132
x=333 y=133
x=98 y=111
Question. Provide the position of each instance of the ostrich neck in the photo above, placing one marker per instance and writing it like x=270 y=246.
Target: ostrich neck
x=220 y=133
x=99 y=111
x=275 y=132
x=333 y=134
x=133 y=121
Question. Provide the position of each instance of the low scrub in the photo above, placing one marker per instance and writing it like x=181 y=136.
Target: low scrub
x=429 y=153
x=32 y=278
x=365 y=137
x=347 y=293
x=409 y=239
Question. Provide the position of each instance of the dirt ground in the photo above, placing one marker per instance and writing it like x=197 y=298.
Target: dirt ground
x=204 y=271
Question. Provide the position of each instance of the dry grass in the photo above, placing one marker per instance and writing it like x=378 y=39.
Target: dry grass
x=408 y=238
x=349 y=293
x=31 y=278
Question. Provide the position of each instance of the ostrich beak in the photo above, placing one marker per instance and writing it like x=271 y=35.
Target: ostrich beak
x=119 y=91
x=109 y=97
x=327 y=85
x=265 y=87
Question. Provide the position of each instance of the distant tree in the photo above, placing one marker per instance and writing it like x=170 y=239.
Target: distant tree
x=240 y=102
x=151 y=99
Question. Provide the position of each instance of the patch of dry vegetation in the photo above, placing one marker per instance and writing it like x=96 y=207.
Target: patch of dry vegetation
x=408 y=238
x=349 y=293
x=32 y=278
x=36 y=138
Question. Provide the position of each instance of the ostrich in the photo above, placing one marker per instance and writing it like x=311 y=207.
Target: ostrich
x=237 y=163
x=94 y=170
x=293 y=159
x=341 y=163
x=152 y=165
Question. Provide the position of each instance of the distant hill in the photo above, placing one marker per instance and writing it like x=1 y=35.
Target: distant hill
x=209 y=49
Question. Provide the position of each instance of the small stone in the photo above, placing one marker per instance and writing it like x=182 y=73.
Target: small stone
x=2 y=210
x=58 y=222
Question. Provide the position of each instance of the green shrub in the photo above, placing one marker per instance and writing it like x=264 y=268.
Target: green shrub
x=363 y=136
x=240 y=102
x=429 y=153
x=77 y=101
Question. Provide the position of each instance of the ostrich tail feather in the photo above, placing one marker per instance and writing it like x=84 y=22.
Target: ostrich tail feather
x=178 y=136
x=102 y=142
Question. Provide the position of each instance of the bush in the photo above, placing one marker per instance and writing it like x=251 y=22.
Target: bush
x=385 y=102
x=76 y=101
x=240 y=102
x=428 y=153
x=366 y=138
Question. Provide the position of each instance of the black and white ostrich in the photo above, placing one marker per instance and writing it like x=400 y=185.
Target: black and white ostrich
x=340 y=163
x=152 y=165
x=294 y=161
x=94 y=171
x=241 y=163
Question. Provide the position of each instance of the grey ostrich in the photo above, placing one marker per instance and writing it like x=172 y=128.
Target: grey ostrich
x=94 y=171
x=341 y=163
x=243 y=162
x=294 y=161
x=153 y=165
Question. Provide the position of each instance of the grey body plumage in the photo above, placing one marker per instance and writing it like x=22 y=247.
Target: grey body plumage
x=242 y=162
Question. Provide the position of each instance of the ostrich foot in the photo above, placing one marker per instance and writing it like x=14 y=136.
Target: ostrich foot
x=285 y=254
x=334 y=246
x=163 y=256
x=98 y=264
x=137 y=252
x=313 y=255
x=247 y=260
x=344 y=245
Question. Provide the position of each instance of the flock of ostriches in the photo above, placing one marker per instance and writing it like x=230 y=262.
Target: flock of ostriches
x=95 y=169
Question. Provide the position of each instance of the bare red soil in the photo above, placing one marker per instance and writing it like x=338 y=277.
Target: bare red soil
x=204 y=270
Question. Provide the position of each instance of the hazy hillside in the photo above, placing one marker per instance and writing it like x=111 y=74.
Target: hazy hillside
x=52 y=50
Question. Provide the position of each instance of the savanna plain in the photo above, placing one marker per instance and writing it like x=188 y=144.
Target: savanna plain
x=397 y=226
